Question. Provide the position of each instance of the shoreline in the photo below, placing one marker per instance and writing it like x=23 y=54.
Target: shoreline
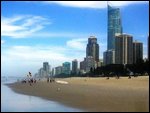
x=93 y=94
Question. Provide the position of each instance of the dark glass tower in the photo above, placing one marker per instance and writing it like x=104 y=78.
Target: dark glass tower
x=92 y=48
x=137 y=51
x=124 y=49
x=75 y=67
x=114 y=26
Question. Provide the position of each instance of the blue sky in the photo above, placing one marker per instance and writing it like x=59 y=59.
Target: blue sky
x=57 y=31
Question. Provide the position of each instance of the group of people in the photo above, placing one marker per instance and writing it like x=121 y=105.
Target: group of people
x=29 y=79
x=50 y=79
x=32 y=80
x=117 y=76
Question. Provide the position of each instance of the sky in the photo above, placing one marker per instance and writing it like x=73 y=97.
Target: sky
x=33 y=32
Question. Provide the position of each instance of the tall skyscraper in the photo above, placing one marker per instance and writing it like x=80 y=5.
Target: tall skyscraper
x=82 y=66
x=58 y=70
x=66 y=68
x=92 y=48
x=124 y=49
x=53 y=72
x=109 y=57
x=75 y=66
x=114 y=26
x=46 y=68
x=137 y=51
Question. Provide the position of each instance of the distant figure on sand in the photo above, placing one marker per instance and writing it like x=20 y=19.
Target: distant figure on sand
x=47 y=79
x=129 y=77
x=130 y=74
x=107 y=77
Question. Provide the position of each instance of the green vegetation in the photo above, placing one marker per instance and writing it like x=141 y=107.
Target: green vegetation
x=139 y=69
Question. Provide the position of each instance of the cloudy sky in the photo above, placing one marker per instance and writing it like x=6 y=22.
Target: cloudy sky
x=57 y=31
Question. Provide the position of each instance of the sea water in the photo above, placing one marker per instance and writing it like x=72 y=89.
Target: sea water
x=14 y=102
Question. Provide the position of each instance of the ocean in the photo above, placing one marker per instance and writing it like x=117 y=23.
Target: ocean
x=14 y=102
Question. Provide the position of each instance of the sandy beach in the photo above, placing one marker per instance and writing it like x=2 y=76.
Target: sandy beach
x=93 y=94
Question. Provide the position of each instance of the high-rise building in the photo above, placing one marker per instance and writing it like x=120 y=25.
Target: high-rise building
x=114 y=26
x=89 y=63
x=46 y=68
x=41 y=73
x=124 y=49
x=82 y=66
x=75 y=67
x=66 y=68
x=109 y=57
x=148 y=48
x=137 y=51
x=58 y=70
x=92 y=48
x=53 y=72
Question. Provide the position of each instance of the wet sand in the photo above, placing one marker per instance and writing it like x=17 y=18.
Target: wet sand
x=93 y=94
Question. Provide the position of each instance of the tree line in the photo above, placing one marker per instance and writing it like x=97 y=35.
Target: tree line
x=139 y=69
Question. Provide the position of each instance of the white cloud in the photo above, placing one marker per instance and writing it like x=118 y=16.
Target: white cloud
x=59 y=34
x=27 y=58
x=125 y=3
x=81 y=4
x=36 y=53
x=2 y=41
x=94 y=4
x=79 y=44
x=22 y=26
x=25 y=26
x=30 y=58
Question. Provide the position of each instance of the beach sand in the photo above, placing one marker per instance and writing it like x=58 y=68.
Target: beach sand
x=93 y=94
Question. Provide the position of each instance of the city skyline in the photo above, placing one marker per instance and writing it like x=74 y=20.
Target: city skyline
x=41 y=36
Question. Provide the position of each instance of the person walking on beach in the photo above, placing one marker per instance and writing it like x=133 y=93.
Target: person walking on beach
x=30 y=79
x=47 y=79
